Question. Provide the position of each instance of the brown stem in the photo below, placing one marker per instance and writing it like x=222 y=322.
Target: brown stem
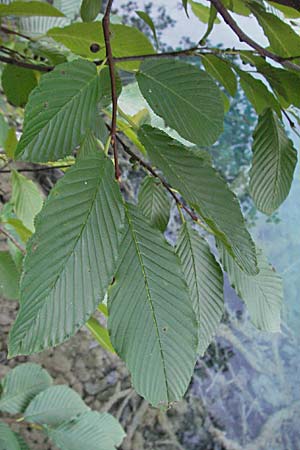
x=25 y=65
x=12 y=239
x=243 y=37
x=16 y=33
x=114 y=97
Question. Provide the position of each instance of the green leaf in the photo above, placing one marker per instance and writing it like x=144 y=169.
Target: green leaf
x=221 y=71
x=55 y=405
x=154 y=203
x=205 y=282
x=185 y=6
x=100 y=333
x=68 y=95
x=79 y=231
x=26 y=198
x=147 y=19
x=91 y=430
x=285 y=83
x=21 y=385
x=8 y=439
x=201 y=186
x=237 y=6
x=9 y=277
x=11 y=143
x=90 y=9
x=211 y=21
x=17 y=84
x=201 y=12
x=274 y=162
x=3 y=130
x=257 y=93
x=290 y=13
x=125 y=41
x=20 y=228
x=35 y=27
x=263 y=293
x=151 y=320
x=189 y=102
x=29 y=9
x=284 y=41
x=105 y=87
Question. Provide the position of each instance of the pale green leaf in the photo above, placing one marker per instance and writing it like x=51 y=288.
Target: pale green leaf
x=23 y=232
x=274 y=162
x=26 y=198
x=54 y=405
x=221 y=71
x=100 y=333
x=90 y=9
x=262 y=293
x=71 y=258
x=37 y=26
x=151 y=321
x=68 y=95
x=17 y=83
x=237 y=6
x=11 y=143
x=154 y=203
x=289 y=12
x=201 y=12
x=8 y=439
x=3 y=130
x=147 y=19
x=70 y=8
x=91 y=430
x=9 y=277
x=202 y=187
x=21 y=385
x=205 y=282
x=24 y=8
x=210 y=25
x=185 y=97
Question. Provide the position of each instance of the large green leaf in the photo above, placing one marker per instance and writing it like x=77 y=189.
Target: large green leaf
x=26 y=198
x=9 y=277
x=274 y=162
x=21 y=385
x=55 y=405
x=283 y=39
x=154 y=203
x=29 y=9
x=91 y=430
x=189 y=102
x=59 y=112
x=201 y=186
x=8 y=439
x=205 y=281
x=71 y=258
x=221 y=71
x=151 y=320
x=262 y=293
x=17 y=84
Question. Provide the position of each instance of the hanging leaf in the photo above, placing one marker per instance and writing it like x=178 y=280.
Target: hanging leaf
x=100 y=333
x=202 y=187
x=205 y=282
x=17 y=84
x=26 y=198
x=151 y=320
x=79 y=231
x=9 y=277
x=90 y=9
x=154 y=203
x=147 y=19
x=91 y=430
x=201 y=12
x=262 y=293
x=29 y=9
x=21 y=385
x=221 y=71
x=211 y=21
x=54 y=405
x=68 y=95
x=190 y=103
x=274 y=162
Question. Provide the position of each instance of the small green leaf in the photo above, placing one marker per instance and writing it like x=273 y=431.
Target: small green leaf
x=9 y=278
x=8 y=439
x=147 y=19
x=190 y=103
x=54 y=405
x=29 y=9
x=100 y=333
x=17 y=84
x=262 y=293
x=26 y=198
x=21 y=385
x=204 y=278
x=201 y=186
x=91 y=430
x=3 y=130
x=210 y=25
x=154 y=203
x=221 y=71
x=20 y=228
x=11 y=143
x=201 y=12
x=90 y=9
x=274 y=162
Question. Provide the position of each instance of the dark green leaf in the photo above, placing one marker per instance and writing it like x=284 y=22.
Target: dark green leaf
x=9 y=277
x=221 y=71
x=90 y=9
x=17 y=84
x=154 y=203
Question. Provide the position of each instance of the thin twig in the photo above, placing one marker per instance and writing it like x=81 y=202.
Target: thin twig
x=114 y=97
x=26 y=65
x=243 y=37
x=16 y=33
x=12 y=239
